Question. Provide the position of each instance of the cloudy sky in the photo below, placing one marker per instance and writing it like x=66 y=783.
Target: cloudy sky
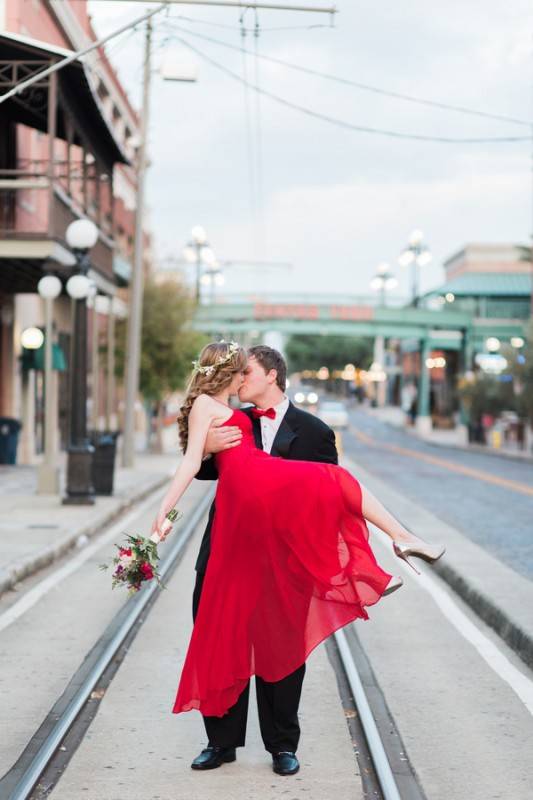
x=331 y=201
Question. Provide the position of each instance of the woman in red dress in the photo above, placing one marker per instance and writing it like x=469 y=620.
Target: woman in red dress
x=290 y=559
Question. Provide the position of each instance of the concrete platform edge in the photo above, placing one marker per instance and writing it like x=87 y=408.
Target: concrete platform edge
x=471 y=448
x=519 y=640
x=512 y=627
x=46 y=556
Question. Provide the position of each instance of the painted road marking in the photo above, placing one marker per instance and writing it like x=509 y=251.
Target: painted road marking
x=479 y=474
x=521 y=685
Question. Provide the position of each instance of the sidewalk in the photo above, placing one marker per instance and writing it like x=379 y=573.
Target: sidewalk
x=36 y=529
x=455 y=438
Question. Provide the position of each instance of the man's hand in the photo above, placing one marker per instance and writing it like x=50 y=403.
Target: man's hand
x=221 y=437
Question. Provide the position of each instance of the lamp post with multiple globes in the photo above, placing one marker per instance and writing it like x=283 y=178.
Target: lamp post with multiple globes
x=81 y=236
x=382 y=281
x=197 y=251
x=417 y=254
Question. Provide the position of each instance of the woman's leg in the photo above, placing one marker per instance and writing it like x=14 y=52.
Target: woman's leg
x=377 y=514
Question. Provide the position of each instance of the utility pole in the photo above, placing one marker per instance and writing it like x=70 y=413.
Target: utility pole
x=135 y=317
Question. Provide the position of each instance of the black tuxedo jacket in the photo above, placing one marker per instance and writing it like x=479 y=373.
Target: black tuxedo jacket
x=301 y=436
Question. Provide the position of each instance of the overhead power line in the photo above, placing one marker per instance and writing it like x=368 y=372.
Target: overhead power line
x=357 y=84
x=343 y=123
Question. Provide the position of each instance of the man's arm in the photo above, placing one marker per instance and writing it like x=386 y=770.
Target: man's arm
x=325 y=448
x=208 y=471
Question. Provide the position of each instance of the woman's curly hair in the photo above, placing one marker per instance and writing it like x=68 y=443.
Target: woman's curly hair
x=226 y=359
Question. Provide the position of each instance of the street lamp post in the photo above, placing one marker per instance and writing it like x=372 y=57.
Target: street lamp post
x=212 y=278
x=81 y=236
x=418 y=255
x=382 y=281
x=31 y=339
x=197 y=251
x=49 y=289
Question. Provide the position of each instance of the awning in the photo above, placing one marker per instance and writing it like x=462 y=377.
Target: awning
x=75 y=86
x=34 y=359
x=487 y=284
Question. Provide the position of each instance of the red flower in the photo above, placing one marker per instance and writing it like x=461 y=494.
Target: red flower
x=125 y=551
x=147 y=570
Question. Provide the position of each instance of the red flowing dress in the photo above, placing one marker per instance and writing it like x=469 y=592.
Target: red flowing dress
x=290 y=563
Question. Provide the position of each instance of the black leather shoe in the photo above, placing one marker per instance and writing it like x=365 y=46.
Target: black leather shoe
x=213 y=757
x=285 y=763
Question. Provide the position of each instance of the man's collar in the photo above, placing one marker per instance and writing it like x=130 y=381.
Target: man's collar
x=282 y=406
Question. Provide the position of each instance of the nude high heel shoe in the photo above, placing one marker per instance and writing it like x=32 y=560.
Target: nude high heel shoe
x=393 y=584
x=427 y=552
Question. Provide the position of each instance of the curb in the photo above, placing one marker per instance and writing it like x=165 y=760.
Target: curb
x=473 y=448
x=46 y=556
x=478 y=448
x=510 y=622
x=519 y=640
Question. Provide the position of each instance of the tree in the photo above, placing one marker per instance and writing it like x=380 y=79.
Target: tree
x=309 y=351
x=168 y=344
x=485 y=394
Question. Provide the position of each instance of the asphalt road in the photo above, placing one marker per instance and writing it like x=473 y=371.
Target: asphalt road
x=487 y=498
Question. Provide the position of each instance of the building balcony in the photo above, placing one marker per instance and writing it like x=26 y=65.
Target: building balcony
x=56 y=166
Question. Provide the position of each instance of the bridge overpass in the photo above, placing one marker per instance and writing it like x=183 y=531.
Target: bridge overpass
x=251 y=319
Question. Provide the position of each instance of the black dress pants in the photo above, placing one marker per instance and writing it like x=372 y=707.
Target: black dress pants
x=277 y=705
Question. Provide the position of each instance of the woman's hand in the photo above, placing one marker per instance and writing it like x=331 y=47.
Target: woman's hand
x=157 y=525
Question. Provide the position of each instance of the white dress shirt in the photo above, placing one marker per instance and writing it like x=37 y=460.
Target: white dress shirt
x=270 y=427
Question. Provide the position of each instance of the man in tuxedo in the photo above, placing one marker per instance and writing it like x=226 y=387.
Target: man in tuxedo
x=288 y=432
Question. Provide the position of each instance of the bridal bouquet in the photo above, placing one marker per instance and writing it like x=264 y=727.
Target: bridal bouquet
x=137 y=559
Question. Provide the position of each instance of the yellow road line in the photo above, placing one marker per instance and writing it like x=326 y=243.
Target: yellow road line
x=479 y=474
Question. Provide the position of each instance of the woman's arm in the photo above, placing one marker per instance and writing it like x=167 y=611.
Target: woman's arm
x=200 y=418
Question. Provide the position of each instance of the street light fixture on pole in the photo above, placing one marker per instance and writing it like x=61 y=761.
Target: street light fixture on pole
x=383 y=281
x=212 y=278
x=197 y=251
x=418 y=255
x=49 y=289
x=81 y=236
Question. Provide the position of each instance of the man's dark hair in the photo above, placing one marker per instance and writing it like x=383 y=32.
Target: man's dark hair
x=270 y=359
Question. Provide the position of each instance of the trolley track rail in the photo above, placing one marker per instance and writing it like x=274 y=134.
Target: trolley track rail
x=19 y=782
x=391 y=773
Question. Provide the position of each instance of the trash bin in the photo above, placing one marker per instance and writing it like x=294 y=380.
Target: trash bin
x=103 y=467
x=9 y=437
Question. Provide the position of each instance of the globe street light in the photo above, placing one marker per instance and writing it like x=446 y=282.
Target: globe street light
x=49 y=289
x=418 y=254
x=383 y=281
x=31 y=338
x=81 y=236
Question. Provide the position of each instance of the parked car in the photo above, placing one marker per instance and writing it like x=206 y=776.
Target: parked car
x=334 y=414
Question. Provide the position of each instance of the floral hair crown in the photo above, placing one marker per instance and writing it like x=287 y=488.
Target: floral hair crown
x=208 y=369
